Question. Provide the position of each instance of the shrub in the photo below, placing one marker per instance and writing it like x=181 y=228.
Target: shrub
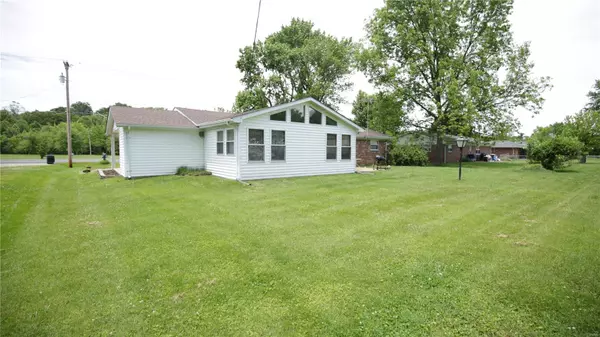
x=104 y=162
x=191 y=171
x=409 y=155
x=554 y=153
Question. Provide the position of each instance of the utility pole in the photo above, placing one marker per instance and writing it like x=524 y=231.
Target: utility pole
x=65 y=79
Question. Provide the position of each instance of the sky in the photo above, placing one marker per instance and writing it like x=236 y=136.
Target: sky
x=183 y=53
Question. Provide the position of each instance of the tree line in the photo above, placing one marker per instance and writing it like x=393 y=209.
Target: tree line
x=440 y=67
x=44 y=132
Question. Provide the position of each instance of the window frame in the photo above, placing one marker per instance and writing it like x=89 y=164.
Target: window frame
x=221 y=142
x=302 y=113
x=279 y=145
x=371 y=145
x=327 y=146
x=277 y=113
x=227 y=141
x=310 y=113
x=346 y=147
x=257 y=145
x=327 y=118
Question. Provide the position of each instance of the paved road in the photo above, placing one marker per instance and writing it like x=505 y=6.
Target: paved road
x=37 y=162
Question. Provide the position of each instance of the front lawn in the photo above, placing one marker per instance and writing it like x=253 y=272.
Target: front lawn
x=508 y=251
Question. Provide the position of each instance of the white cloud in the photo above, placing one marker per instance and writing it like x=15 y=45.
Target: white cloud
x=183 y=53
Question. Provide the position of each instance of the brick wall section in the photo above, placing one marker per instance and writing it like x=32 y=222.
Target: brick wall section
x=364 y=155
x=506 y=151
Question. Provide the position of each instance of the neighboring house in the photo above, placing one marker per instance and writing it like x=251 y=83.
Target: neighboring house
x=449 y=152
x=370 y=144
x=508 y=148
x=300 y=138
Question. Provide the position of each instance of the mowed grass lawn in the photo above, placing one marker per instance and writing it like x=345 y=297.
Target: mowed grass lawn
x=508 y=251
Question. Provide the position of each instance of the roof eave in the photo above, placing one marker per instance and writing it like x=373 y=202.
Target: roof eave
x=191 y=127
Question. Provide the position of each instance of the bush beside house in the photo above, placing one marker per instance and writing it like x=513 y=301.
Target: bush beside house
x=554 y=153
x=409 y=155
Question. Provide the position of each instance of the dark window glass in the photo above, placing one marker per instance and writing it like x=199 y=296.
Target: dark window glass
x=256 y=145
x=331 y=146
x=297 y=116
x=314 y=116
x=219 y=142
x=346 y=146
x=331 y=139
x=280 y=116
x=330 y=121
x=277 y=145
x=256 y=136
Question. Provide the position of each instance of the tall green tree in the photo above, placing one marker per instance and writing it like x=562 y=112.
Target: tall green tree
x=454 y=62
x=81 y=108
x=381 y=112
x=296 y=62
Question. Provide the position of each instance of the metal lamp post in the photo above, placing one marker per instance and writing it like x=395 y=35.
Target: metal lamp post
x=461 y=142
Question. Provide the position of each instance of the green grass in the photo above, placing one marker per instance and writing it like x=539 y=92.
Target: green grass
x=507 y=251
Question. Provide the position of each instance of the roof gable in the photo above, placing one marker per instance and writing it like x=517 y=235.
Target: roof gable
x=309 y=100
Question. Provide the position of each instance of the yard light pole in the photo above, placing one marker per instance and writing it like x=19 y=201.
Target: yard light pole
x=65 y=80
x=461 y=142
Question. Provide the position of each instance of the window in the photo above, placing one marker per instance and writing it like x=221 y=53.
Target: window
x=450 y=148
x=230 y=141
x=331 y=146
x=297 y=116
x=277 y=145
x=256 y=145
x=279 y=116
x=219 y=142
x=374 y=146
x=314 y=117
x=346 y=146
x=330 y=121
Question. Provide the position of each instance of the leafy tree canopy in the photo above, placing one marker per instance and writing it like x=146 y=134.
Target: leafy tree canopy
x=81 y=108
x=296 y=62
x=454 y=63
x=381 y=112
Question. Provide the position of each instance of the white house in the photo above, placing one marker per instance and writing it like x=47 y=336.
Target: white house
x=300 y=138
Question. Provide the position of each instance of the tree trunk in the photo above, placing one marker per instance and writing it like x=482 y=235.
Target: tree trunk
x=583 y=159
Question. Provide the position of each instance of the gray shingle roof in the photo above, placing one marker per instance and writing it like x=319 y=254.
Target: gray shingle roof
x=204 y=116
x=149 y=117
x=372 y=134
x=508 y=144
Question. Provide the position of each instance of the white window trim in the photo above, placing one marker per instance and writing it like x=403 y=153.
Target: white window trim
x=371 y=145
x=263 y=145
x=342 y=147
x=284 y=147
x=327 y=146
x=222 y=142
x=229 y=141
x=286 y=116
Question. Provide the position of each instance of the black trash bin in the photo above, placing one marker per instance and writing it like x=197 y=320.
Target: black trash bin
x=49 y=159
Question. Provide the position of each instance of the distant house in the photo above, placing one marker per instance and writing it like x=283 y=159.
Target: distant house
x=370 y=144
x=448 y=151
x=300 y=138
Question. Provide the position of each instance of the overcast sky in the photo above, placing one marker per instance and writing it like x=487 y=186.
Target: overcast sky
x=183 y=53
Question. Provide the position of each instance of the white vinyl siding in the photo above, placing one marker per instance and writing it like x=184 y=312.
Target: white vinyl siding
x=122 y=152
x=220 y=165
x=154 y=152
x=305 y=149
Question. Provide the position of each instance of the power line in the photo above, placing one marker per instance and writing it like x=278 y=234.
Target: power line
x=256 y=28
x=26 y=58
